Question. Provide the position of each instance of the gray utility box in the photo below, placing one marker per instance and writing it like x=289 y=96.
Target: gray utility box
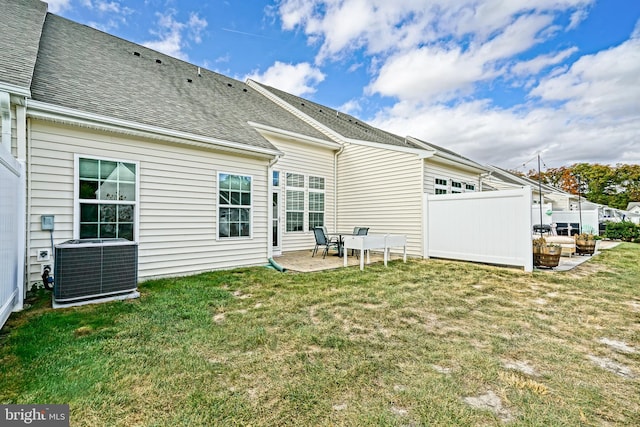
x=94 y=268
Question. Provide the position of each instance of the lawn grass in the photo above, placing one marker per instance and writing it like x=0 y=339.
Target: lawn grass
x=413 y=344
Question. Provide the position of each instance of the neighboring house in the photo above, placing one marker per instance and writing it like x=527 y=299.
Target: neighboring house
x=203 y=171
x=381 y=177
x=500 y=179
x=633 y=208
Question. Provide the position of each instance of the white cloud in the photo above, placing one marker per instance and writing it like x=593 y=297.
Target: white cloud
x=438 y=73
x=537 y=64
x=57 y=6
x=298 y=79
x=597 y=120
x=170 y=33
x=433 y=57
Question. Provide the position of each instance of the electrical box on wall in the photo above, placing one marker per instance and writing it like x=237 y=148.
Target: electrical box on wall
x=43 y=255
x=47 y=222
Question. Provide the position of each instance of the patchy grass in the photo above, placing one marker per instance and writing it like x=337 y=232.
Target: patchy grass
x=424 y=343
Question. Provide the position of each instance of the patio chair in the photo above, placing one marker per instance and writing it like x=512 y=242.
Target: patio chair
x=359 y=231
x=321 y=240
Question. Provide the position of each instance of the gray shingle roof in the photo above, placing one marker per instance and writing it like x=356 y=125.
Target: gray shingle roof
x=85 y=69
x=345 y=124
x=21 y=24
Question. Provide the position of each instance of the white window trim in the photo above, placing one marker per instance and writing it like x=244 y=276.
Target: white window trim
x=217 y=208
x=437 y=186
x=76 y=193
x=305 y=190
x=324 y=199
x=456 y=189
x=305 y=203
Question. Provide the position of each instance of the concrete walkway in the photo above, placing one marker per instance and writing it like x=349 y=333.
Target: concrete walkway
x=569 y=263
x=302 y=261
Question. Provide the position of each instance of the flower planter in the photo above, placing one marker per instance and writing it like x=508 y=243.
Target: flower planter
x=585 y=247
x=546 y=256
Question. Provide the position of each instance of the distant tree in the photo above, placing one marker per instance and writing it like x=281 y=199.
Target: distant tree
x=604 y=184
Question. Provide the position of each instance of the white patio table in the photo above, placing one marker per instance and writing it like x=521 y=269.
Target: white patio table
x=374 y=241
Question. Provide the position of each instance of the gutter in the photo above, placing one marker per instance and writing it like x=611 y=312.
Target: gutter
x=5 y=113
x=42 y=110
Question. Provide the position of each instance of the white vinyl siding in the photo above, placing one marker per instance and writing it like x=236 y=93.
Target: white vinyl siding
x=381 y=189
x=458 y=179
x=178 y=200
x=310 y=161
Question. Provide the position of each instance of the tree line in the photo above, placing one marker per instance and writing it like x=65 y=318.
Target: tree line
x=614 y=186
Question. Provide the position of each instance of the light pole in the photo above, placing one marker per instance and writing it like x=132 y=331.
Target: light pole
x=580 y=201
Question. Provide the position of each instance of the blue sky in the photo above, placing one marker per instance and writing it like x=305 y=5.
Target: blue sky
x=497 y=81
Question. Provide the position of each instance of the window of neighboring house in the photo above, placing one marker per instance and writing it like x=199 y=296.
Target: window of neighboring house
x=456 y=187
x=234 y=205
x=316 y=202
x=107 y=198
x=441 y=186
x=294 y=202
x=469 y=187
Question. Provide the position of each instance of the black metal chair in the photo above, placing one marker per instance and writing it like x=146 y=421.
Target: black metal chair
x=542 y=228
x=321 y=240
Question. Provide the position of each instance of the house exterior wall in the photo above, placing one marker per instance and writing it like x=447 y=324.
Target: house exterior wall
x=381 y=189
x=177 y=198
x=308 y=160
x=434 y=169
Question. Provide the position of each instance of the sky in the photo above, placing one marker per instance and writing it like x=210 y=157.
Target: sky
x=497 y=81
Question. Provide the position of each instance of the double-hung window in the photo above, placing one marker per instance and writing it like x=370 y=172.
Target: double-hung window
x=441 y=186
x=107 y=198
x=234 y=205
x=294 y=202
x=456 y=187
x=316 y=202
x=469 y=188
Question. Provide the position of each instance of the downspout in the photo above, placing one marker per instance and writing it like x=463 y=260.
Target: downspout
x=5 y=113
x=28 y=216
x=335 y=188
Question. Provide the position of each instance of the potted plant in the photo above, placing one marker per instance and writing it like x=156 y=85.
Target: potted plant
x=585 y=244
x=546 y=254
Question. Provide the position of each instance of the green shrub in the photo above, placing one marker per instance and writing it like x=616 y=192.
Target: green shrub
x=625 y=230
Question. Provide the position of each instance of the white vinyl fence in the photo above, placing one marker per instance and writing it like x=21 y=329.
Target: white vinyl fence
x=491 y=227
x=546 y=214
x=12 y=216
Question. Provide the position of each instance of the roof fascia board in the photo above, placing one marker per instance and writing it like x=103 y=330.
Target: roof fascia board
x=423 y=154
x=42 y=110
x=297 y=137
x=299 y=114
x=456 y=159
x=15 y=90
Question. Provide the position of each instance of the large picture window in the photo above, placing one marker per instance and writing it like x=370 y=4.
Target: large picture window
x=234 y=205
x=107 y=199
x=294 y=202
